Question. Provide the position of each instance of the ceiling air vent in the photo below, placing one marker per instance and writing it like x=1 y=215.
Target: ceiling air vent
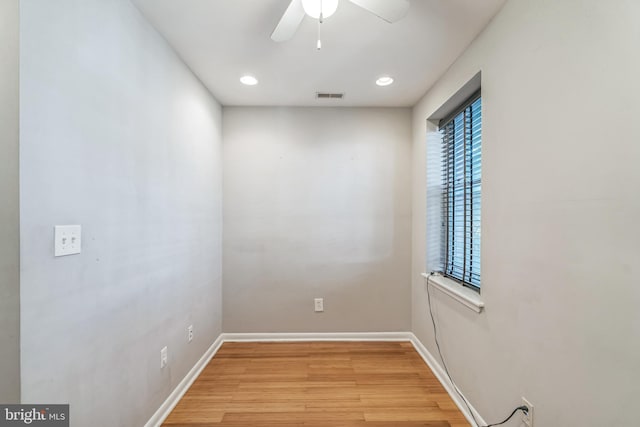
x=324 y=95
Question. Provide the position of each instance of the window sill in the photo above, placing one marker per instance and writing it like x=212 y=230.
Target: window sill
x=455 y=290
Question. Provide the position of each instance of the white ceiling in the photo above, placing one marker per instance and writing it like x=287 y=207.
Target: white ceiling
x=222 y=39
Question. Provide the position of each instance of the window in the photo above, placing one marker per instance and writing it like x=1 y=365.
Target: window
x=461 y=192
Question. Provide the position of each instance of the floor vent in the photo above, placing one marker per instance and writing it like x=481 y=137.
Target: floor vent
x=323 y=95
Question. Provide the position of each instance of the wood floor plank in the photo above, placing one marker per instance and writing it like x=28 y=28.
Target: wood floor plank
x=316 y=384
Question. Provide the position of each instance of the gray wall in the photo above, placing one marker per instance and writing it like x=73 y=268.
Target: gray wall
x=317 y=204
x=119 y=136
x=9 y=205
x=560 y=214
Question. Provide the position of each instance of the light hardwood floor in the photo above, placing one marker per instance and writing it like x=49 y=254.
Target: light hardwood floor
x=317 y=384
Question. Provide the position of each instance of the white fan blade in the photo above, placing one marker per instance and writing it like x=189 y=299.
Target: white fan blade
x=389 y=10
x=289 y=22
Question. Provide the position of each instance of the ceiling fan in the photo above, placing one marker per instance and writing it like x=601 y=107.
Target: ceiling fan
x=389 y=10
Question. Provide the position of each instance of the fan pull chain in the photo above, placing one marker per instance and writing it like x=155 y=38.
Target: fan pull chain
x=319 y=44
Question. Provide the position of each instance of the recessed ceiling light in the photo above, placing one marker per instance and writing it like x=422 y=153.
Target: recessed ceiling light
x=384 y=81
x=248 y=80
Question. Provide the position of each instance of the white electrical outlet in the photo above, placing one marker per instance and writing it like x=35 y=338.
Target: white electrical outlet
x=163 y=357
x=527 y=419
x=67 y=240
x=319 y=304
x=190 y=332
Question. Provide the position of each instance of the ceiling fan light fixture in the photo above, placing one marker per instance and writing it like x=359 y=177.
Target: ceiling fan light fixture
x=248 y=80
x=384 y=81
x=312 y=8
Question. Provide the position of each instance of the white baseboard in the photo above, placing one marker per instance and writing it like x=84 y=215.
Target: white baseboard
x=317 y=336
x=440 y=373
x=167 y=406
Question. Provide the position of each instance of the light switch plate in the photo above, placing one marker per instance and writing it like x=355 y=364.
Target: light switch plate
x=163 y=357
x=68 y=240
